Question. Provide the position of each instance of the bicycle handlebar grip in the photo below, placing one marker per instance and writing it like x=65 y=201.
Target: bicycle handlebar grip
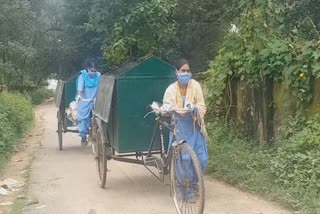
x=148 y=108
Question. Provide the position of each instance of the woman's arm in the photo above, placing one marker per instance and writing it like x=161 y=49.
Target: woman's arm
x=168 y=96
x=80 y=85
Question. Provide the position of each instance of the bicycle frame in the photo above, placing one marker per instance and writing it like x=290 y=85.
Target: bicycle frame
x=147 y=157
x=165 y=155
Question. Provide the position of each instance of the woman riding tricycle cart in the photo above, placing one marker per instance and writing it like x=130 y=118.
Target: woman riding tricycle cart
x=170 y=138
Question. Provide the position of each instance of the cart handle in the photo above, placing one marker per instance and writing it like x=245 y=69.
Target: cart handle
x=160 y=112
x=87 y=100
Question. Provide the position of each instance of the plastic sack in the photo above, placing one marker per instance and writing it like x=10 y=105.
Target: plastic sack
x=72 y=112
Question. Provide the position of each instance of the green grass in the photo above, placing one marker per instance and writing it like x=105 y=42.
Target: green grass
x=243 y=164
x=15 y=119
x=38 y=96
x=17 y=207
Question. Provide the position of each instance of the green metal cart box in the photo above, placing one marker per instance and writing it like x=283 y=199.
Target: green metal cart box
x=122 y=98
x=64 y=95
x=65 y=92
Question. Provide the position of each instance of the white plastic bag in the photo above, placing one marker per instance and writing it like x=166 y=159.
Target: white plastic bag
x=72 y=112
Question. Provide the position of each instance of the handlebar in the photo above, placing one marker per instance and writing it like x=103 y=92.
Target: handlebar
x=178 y=109
x=87 y=100
x=174 y=110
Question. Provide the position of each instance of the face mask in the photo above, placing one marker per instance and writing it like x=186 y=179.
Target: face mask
x=184 y=78
x=92 y=74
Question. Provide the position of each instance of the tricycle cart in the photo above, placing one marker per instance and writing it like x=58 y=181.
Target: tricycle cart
x=64 y=95
x=122 y=131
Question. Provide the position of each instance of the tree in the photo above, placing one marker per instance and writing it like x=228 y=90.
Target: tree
x=134 y=28
x=302 y=18
x=16 y=36
x=83 y=42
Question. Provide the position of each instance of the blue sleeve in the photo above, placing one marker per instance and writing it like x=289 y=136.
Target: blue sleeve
x=99 y=76
x=80 y=83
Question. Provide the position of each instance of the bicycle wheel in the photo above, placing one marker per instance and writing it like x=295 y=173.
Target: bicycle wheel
x=92 y=137
x=59 y=130
x=186 y=178
x=101 y=158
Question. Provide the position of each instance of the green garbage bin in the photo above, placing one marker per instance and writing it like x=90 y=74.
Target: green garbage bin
x=70 y=90
x=64 y=95
x=123 y=96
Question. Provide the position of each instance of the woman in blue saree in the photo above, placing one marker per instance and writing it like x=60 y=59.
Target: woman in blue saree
x=190 y=126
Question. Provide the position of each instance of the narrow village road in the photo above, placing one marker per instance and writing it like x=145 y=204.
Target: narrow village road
x=66 y=182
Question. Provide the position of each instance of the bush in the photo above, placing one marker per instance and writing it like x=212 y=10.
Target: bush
x=287 y=172
x=15 y=118
x=236 y=160
x=297 y=162
x=39 y=95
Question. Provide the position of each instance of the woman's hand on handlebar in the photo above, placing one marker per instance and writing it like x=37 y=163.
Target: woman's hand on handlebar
x=78 y=99
x=165 y=108
x=168 y=109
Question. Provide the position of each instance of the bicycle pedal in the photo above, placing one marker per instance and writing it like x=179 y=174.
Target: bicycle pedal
x=165 y=170
x=149 y=159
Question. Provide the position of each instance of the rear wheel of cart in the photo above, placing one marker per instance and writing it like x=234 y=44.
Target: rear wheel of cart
x=59 y=129
x=93 y=137
x=101 y=157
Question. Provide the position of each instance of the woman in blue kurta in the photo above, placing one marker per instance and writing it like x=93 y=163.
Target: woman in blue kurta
x=87 y=88
x=190 y=126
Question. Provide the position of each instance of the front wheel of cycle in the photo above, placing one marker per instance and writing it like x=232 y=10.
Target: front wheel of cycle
x=186 y=177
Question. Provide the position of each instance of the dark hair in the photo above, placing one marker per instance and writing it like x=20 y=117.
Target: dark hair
x=181 y=62
x=91 y=65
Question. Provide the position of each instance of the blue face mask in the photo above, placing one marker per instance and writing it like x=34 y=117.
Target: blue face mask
x=184 y=78
x=92 y=74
